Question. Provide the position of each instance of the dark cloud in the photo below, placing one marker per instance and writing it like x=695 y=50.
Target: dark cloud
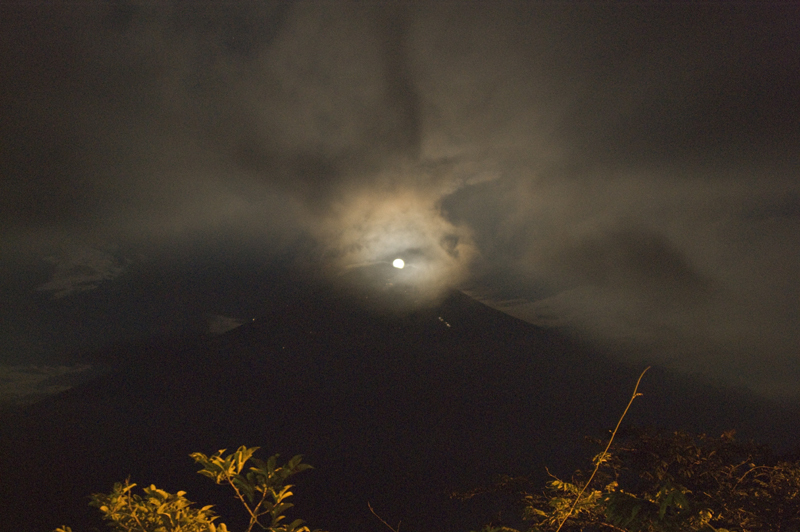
x=627 y=171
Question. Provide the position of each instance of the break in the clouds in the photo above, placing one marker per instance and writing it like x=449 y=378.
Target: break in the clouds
x=628 y=172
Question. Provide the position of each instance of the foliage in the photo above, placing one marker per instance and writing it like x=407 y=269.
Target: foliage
x=261 y=488
x=158 y=510
x=656 y=481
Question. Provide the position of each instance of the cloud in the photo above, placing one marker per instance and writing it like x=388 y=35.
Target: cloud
x=626 y=172
x=219 y=324
x=657 y=269
x=81 y=269
x=26 y=384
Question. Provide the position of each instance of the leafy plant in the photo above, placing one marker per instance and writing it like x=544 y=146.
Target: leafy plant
x=261 y=488
x=659 y=481
x=157 y=510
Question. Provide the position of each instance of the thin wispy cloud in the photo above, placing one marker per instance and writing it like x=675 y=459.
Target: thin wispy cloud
x=80 y=270
x=219 y=324
x=23 y=384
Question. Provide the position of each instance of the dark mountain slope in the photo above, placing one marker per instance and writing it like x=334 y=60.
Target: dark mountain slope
x=395 y=409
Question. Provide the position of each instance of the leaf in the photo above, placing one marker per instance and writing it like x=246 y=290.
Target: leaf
x=244 y=486
x=670 y=497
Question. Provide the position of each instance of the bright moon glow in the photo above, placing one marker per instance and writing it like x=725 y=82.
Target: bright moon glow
x=398 y=263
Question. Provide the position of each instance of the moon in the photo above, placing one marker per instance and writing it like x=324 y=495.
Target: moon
x=398 y=263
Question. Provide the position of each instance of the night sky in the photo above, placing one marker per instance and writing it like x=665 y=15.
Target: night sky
x=626 y=173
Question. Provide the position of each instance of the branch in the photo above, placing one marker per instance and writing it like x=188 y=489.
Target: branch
x=130 y=506
x=253 y=516
x=605 y=451
x=384 y=522
x=747 y=473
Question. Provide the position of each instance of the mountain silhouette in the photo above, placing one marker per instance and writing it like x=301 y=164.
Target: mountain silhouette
x=393 y=408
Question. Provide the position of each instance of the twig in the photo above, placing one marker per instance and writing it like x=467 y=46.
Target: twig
x=748 y=472
x=130 y=506
x=605 y=451
x=253 y=515
x=384 y=522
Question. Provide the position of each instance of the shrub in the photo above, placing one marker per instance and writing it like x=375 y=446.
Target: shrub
x=261 y=489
